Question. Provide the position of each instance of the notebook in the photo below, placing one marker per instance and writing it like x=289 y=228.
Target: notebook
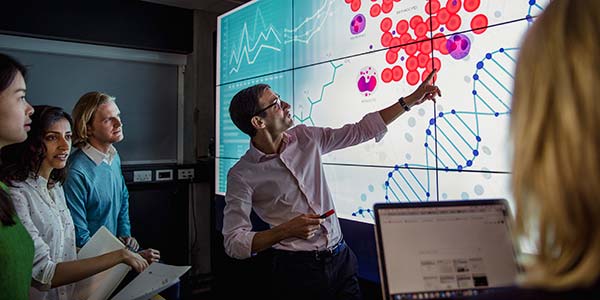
x=156 y=278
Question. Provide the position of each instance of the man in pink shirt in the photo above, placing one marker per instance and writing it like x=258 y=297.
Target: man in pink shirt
x=281 y=177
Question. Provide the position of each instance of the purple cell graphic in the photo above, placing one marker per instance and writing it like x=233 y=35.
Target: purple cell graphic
x=367 y=81
x=358 y=24
x=458 y=46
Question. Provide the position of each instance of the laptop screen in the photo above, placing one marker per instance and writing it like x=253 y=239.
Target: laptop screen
x=444 y=249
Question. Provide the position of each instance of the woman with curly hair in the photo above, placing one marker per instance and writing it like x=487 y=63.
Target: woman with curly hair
x=35 y=170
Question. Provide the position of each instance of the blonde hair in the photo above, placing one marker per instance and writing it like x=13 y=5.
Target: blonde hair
x=555 y=122
x=83 y=115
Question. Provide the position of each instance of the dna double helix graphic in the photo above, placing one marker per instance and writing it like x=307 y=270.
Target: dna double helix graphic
x=458 y=135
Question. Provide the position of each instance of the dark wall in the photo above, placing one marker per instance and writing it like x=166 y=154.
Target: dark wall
x=158 y=216
x=123 y=23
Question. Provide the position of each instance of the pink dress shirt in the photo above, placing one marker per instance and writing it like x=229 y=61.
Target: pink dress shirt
x=279 y=187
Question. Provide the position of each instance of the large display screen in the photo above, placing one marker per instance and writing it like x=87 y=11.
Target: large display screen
x=336 y=60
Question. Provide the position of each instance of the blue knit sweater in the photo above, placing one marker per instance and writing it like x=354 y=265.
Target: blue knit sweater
x=97 y=196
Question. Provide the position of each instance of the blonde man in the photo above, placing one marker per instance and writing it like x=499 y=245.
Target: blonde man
x=556 y=167
x=95 y=189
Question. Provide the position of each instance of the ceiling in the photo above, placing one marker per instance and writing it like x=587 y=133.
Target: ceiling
x=215 y=6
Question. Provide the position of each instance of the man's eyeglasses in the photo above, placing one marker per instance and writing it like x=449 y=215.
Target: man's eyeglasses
x=277 y=103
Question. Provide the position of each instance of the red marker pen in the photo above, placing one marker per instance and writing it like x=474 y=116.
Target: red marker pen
x=327 y=214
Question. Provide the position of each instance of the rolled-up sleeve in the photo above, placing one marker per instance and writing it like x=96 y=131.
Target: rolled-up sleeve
x=369 y=127
x=237 y=227
x=43 y=266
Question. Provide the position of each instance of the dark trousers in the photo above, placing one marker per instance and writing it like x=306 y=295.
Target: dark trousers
x=315 y=275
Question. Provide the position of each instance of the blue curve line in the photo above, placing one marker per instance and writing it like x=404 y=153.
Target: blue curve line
x=315 y=102
x=484 y=85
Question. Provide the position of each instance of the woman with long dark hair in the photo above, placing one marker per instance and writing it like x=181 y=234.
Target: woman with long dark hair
x=35 y=170
x=16 y=247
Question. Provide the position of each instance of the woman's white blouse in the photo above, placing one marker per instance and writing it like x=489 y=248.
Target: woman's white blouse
x=45 y=215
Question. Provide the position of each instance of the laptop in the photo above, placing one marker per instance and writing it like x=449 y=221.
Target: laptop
x=444 y=250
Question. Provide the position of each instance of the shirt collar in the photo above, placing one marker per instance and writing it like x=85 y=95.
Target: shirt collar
x=37 y=181
x=98 y=156
x=259 y=156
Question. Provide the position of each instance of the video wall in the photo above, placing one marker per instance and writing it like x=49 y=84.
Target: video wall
x=336 y=60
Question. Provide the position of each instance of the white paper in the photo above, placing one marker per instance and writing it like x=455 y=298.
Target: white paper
x=152 y=281
x=101 y=285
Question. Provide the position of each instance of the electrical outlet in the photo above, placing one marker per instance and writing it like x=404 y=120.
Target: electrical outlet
x=163 y=175
x=185 y=174
x=142 y=176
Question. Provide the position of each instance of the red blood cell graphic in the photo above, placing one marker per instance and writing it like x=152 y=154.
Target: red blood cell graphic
x=397 y=73
x=386 y=75
x=355 y=6
x=391 y=57
x=453 y=22
x=437 y=63
x=423 y=59
x=442 y=47
x=394 y=43
x=425 y=74
x=375 y=10
x=414 y=21
x=429 y=65
x=414 y=47
x=385 y=39
x=386 y=24
x=471 y=5
x=421 y=30
x=411 y=48
x=387 y=7
x=433 y=22
x=412 y=63
x=443 y=15
x=435 y=7
x=438 y=39
x=426 y=47
x=412 y=77
x=402 y=27
x=453 y=6
x=479 y=23
x=405 y=38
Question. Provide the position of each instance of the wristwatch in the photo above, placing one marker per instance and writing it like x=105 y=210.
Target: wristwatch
x=403 y=104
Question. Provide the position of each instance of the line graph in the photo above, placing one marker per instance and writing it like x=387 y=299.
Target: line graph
x=317 y=20
x=250 y=46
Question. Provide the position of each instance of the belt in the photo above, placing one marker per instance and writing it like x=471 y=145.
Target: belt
x=316 y=254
